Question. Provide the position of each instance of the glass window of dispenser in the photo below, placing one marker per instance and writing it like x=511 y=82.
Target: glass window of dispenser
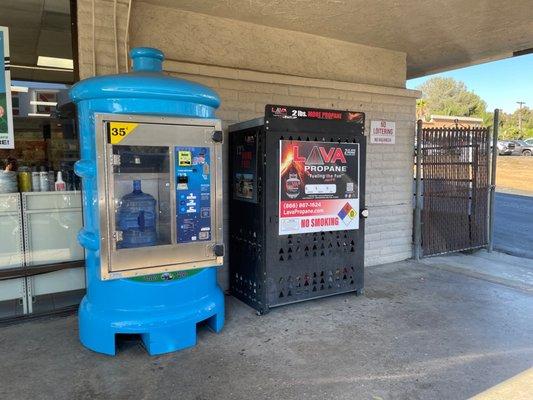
x=141 y=196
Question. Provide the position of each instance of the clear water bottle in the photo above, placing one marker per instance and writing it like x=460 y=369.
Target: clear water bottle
x=136 y=218
x=35 y=181
x=44 y=181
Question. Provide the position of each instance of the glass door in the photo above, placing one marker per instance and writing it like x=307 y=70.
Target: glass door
x=141 y=196
x=161 y=196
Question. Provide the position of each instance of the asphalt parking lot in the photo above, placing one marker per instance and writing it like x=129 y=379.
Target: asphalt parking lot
x=513 y=225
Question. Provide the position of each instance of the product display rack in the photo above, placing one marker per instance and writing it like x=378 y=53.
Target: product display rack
x=41 y=262
x=51 y=223
x=13 y=299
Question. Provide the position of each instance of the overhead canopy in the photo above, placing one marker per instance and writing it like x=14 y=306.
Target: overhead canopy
x=435 y=35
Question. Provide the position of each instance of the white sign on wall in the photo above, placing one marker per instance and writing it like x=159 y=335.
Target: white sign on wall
x=382 y=132
x=6 y=116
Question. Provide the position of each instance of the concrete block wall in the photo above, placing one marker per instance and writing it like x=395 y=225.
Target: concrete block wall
x=376 y=89
x=207 y=40
x=98 y=56
x=389 y=174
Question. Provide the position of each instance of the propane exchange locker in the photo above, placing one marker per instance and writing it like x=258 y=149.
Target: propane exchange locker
x=297 y=205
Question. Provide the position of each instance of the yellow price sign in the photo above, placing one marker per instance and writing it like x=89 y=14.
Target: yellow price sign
x=119 y=130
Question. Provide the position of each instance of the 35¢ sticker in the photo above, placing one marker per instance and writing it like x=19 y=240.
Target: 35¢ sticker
x=119 y=130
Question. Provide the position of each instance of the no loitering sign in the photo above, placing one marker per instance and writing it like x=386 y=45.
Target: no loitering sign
x=382 y=132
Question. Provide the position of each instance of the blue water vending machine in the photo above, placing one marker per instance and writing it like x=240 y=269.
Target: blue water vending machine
x=151 y=167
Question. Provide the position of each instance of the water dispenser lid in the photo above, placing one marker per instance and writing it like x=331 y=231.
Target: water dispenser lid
x=146 y=81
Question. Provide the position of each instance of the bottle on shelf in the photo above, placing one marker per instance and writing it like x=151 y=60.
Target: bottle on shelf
x=51 y=180
x=35 y=181
x=59 y=185
x=44 y=180
x=24 y=179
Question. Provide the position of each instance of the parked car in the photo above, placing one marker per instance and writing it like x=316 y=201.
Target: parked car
x=529 y=141
x=522 y=148
x=505 y=147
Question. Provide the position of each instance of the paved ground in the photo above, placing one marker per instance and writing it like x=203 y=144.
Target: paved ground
x=420 y=332
x=494 y=267
x=513 y=226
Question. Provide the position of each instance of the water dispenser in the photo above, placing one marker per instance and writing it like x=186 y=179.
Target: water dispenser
x=151 y=165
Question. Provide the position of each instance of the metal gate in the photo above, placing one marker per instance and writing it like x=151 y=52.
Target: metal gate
x=452 y=169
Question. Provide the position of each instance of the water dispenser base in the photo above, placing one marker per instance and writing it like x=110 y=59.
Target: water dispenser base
x=161 y=332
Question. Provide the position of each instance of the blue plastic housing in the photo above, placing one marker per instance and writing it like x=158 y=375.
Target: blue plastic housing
x=163 y=312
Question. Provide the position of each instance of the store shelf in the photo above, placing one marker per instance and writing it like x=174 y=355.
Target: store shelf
x=11 y=245
x=13 y=300
x=52 y=221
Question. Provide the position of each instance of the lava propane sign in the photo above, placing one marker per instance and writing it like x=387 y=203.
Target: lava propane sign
x=318 y=187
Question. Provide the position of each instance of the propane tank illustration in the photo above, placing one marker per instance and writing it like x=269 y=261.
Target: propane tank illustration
x=293 y=184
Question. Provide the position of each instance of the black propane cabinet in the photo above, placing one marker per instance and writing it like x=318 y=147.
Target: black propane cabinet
x=297 y=205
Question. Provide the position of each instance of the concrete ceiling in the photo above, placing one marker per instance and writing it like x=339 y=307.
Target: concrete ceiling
x=435 y=35
x=37 y=28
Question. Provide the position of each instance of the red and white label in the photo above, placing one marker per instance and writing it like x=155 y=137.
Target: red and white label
x=382 y=132
x=318 y=187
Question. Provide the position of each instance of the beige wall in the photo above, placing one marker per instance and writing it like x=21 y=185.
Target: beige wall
x=389 y=168
x=248 y=71
x=203 y=39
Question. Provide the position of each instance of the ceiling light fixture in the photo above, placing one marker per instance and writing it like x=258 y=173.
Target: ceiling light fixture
x=43 y=103
x=38 y=115
x=63 y=63
x=19 y=89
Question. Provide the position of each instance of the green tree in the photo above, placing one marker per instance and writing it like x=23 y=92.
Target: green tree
x=447 y=96
x=422 y=109
x=509 y=127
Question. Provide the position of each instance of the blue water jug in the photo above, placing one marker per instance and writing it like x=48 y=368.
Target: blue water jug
x=136 y=219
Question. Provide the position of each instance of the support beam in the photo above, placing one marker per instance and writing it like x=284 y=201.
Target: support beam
x=492 y=187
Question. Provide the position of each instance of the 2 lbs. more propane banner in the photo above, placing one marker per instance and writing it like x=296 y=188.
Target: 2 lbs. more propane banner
x=318 y=186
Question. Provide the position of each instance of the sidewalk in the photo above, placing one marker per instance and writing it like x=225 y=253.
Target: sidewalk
x=515 y=272
x=421 y=331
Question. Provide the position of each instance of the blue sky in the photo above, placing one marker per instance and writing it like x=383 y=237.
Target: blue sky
x=500 y=83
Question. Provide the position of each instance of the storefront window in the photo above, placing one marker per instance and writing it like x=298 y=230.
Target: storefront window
x=41 y=262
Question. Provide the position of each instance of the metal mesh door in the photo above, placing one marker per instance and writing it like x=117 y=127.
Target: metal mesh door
x=455 y=183
x=311 y=265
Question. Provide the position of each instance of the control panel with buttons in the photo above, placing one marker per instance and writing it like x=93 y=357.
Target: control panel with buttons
x=193 y=194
